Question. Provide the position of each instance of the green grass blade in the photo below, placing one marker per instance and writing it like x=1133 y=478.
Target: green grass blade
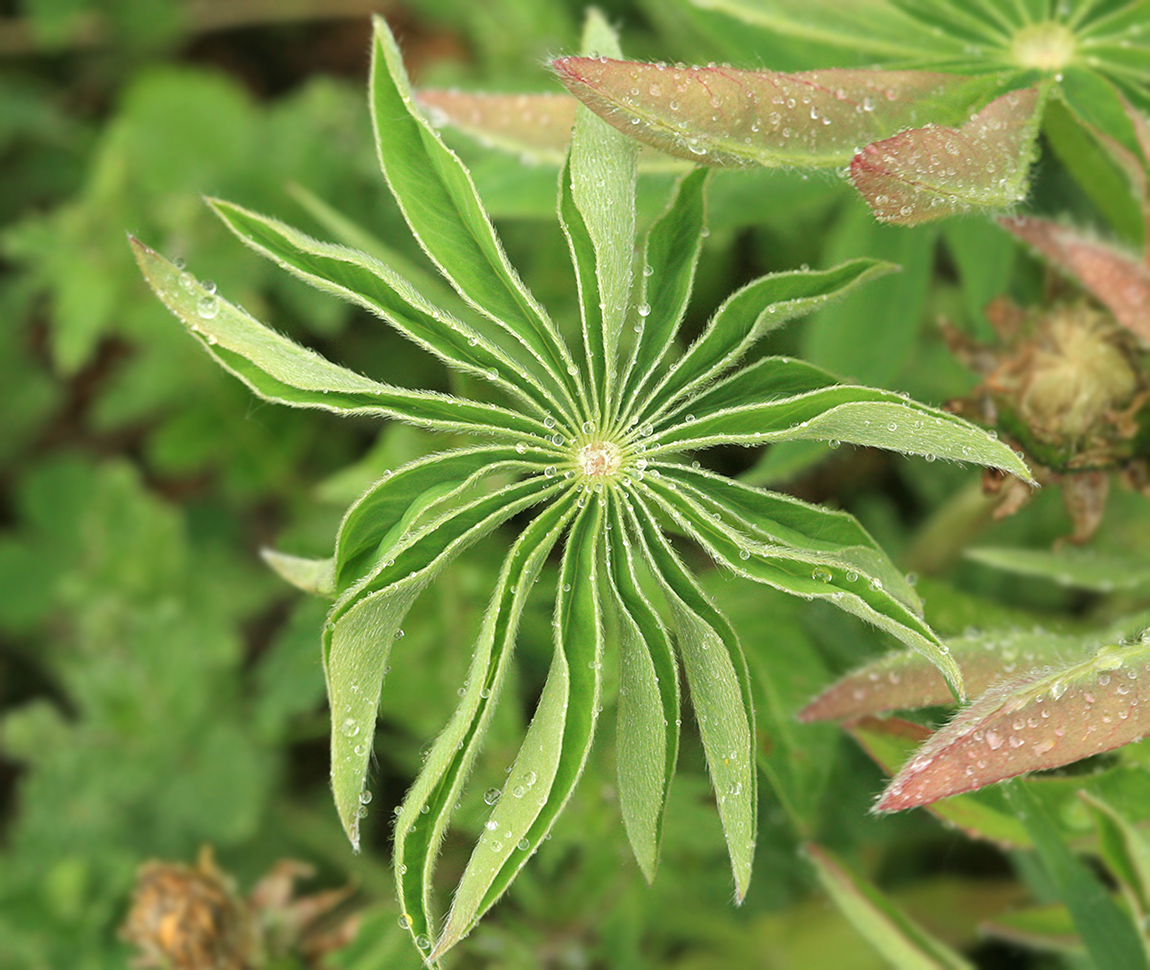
x=882 y=924
x=439 y=201
x=278 y=369
x=720 y=690
x=361 y=279
x=430 y=803
x=671 y=254
x=747 y=315
x=557 y=743
x=647 y=735
x=1110 y=936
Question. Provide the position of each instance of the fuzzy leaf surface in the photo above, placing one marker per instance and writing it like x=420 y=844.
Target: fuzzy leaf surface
x=1043 y=719
x=728 y=117
x=926 y=173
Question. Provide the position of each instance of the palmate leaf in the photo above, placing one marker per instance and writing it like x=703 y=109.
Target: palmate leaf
x=585 y=459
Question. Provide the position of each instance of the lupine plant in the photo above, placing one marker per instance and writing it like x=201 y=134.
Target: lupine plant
x=588 y=447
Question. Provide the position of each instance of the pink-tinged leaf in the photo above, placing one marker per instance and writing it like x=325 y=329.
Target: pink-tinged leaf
x=727 y=117
x=930 y=172
x=535 y=127
x=1117 y=280
x=908 y=680
x=1044 y=719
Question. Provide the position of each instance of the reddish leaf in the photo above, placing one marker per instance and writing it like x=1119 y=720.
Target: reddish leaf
x=930 y=172
x=1042 y=720
x=1120 y=282
x=907 y=680
x=537 y=126
x=728 y=117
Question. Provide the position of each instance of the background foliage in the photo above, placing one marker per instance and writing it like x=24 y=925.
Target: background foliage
x=159 y=690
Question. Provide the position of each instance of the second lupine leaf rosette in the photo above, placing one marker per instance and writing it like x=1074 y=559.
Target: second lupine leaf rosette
x=590 y=446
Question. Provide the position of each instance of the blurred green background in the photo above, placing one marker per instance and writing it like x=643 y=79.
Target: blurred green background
x=161 y=690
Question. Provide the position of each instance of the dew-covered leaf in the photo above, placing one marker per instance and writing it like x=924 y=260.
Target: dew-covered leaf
x=728 y=117
x=842 y=414
x=934 y=171
x=647 y=735
x=905 y=680
x=438 y=198
x=430 y=803
x=746 y=316
x=1118 y=280
x=881 y=923
x=488 y=351
x=364 y=624
x=719 y=684
x=534 y=127
x=558 y=740
x=1043 y=719
x=279 y=369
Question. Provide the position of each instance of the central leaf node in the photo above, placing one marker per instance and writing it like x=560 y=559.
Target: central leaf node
x=597 y=459
x=1048 y=46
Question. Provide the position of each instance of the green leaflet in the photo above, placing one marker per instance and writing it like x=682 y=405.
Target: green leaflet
x=670 y=256
x=647 y=737
x=361 y=279
x=720 y=692
x=439 y=201
x=279 y=370
x=419 y=832
x=557 y=743
x=746 y=316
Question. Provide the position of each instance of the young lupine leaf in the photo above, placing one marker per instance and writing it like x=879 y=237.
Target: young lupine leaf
x=1118 y=280
x=926 y=173
x=720 y=691
x=439 y=201
x=535 y=127
x=882 y=924
x=311 y=575
x=574 y=463
x=985 y=814
x=278 y=369
x=906 y=680
x=746 y=316
x=359 y=279
x=728 y=117
x=647 y=737
x=1110 y=935
x=1043 y=719
x=557 y=743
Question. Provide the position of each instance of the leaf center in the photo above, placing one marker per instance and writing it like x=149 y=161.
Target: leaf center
x=1048 y=46
x=599 y=459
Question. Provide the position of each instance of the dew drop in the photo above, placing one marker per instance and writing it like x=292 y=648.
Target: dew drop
x=491 y=796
